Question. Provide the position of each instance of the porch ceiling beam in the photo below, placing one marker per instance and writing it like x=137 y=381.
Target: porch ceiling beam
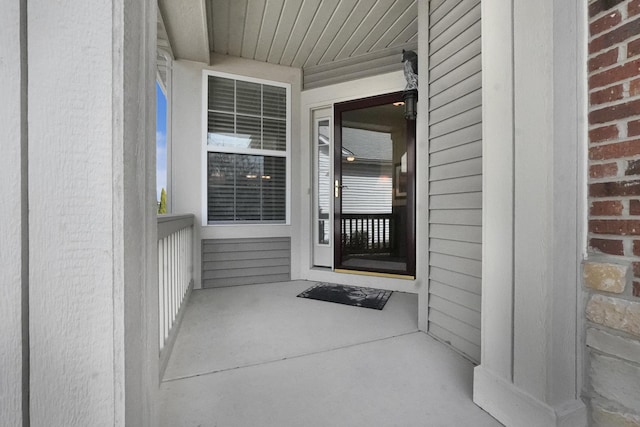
x=186 y=24
x=357 y=67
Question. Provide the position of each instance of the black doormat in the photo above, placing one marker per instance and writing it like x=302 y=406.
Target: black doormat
x=349 y=295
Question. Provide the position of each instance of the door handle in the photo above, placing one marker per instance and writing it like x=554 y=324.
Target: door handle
x=337 y=188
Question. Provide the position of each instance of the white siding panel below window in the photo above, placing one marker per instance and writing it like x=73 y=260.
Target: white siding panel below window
x=234 y=262
x=455 y=174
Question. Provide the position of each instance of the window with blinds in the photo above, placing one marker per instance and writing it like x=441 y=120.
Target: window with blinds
x=247 y=151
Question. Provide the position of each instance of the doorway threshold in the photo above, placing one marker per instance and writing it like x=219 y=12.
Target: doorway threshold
x=376 y=274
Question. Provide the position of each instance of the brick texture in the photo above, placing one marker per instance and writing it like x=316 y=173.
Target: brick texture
x=606 y=59
x=607 y=246
x=618 y=35
x=614 y=133
x=611 y=272
x=604 y=133
x=633 y=48
x=633 y=167
x=622 y=72
x=609 y=189
x=607 y=208
x=610 y=94
x=618 y=227
x=615 y=112
x=603 y=170
x=599 y=6
x=614 y=151
x=634 y=87
x=607 y=22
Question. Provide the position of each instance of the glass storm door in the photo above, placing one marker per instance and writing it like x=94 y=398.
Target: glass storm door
x=374 y=160
x=323 y=188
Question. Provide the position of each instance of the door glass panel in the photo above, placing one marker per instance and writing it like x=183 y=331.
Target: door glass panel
x=324 y=182
x=373 y=216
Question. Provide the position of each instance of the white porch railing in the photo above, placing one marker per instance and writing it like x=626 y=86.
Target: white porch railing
x=175 y=277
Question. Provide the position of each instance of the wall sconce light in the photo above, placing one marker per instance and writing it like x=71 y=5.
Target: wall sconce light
x=410 y=104
x=348 y=155
x=410 y=93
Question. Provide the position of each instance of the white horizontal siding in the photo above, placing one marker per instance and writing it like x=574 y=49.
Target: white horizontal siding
x=455 y=154
x=456 y=280
x=460 y=297
x=461 y=249
x=455 y=174
x=456 y=217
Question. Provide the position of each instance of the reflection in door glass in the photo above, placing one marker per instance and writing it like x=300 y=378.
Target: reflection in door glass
x=324 y=182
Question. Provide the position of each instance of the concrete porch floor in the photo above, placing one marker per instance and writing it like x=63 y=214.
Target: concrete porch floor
x=258 y=356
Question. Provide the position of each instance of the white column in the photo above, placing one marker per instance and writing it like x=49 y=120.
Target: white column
x=135 y=205
x=11 y=214
x=422 y=169
x=91 y=222
x=530 y=370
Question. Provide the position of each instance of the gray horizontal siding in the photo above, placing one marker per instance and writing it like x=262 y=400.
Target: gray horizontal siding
x=455 y=174
x=234 y=262
x=459 y=281
x=456 y=217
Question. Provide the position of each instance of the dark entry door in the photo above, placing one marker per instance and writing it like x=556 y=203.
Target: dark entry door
x=374 y=186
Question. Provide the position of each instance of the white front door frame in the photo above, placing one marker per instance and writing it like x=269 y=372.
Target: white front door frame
x=325 y=97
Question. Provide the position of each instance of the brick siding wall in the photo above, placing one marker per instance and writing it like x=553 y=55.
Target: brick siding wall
x=612 y=270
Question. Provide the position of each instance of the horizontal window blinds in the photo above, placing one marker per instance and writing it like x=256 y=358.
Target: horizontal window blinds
x=246 y=152
x=246 y=115
x=246 y=188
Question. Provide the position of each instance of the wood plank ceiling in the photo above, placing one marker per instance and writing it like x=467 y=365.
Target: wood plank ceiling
x=331 y=40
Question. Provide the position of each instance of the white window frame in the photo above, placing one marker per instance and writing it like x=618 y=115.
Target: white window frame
x=251 y=151
x=167 y=88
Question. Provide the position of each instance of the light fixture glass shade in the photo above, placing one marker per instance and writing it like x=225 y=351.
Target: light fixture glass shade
x=410 y=104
